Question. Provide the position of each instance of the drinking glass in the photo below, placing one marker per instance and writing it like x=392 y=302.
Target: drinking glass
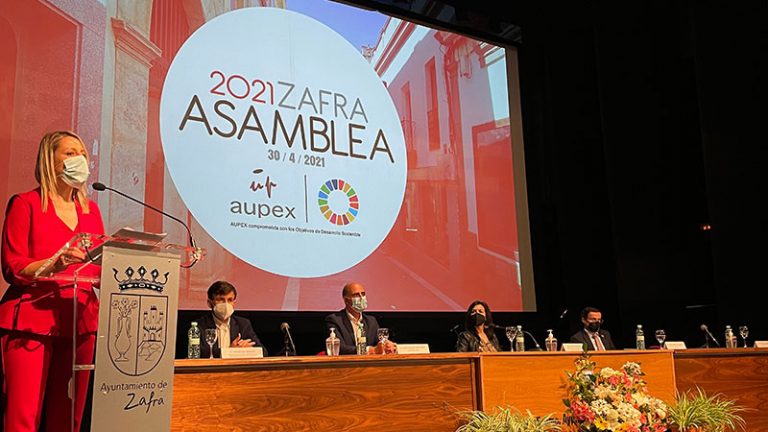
x=661 y=336
x=382 y=334
x=210 y=338
x=744 y=332
x=511 y=332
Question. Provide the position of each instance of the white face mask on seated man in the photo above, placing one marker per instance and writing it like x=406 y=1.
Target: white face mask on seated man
x=359 y=303
x=223 y=310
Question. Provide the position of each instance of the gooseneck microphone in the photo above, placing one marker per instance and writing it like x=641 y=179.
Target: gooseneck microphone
x=535 y=342
x=99 y=187
x=705 y=329
x=290 y=348
x=525 y=332
x=455 y=329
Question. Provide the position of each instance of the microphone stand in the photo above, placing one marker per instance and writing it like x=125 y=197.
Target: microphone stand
x=455 y=330
x=289 y=349
x=98 y=186
x=538 y=347
x=708 y=337
x=525 y=332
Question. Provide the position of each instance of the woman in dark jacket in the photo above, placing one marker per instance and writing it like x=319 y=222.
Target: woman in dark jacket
x=478 y=335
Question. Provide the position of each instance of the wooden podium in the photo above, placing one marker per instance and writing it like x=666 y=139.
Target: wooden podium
x=136 y=339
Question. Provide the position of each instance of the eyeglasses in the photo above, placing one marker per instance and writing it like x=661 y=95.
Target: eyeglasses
x=595 y=321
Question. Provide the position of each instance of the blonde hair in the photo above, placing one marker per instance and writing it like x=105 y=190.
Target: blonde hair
x=45 y=172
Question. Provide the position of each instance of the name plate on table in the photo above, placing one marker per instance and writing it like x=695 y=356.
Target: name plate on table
x=761 y=344
x=242 y=352
x=572 y=347
x=413 y=348
x=675 y=345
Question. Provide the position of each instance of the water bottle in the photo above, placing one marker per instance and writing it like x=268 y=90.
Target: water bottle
x=332 y=344
x=362 y=342
x=730 y=338
x=550 y=343
x=639 y=337
x=520 y=339
x=193 y=337
x=362 y=345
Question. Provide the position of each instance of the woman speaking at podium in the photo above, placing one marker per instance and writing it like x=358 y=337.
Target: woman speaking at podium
x=36 y=317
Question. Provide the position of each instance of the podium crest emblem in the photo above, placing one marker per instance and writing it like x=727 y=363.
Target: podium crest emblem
x=138 y=317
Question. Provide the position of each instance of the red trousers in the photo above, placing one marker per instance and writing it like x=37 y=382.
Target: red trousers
x=37 y=371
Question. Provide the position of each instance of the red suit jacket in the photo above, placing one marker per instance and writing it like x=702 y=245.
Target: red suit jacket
x=29 y=235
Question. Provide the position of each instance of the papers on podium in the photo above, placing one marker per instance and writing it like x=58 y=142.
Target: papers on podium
x=129 y=238
x=93 y=244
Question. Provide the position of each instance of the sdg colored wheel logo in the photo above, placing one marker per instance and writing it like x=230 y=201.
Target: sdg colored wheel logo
x=338 y=202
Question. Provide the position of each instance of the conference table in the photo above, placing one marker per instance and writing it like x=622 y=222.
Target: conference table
x=739 y=374
x=373 y=393
x=423 y=392
x=536 y=381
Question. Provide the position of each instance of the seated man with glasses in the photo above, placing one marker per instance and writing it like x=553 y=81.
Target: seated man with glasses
x=592 y=336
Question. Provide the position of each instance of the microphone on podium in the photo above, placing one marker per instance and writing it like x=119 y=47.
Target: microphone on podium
x=708 y=335
x=290 y=348
x=455 y=329
x=525 y=332
x=535 y=342
x=99 y=187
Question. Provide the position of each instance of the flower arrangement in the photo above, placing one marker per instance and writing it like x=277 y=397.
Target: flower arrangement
x=608 y=400
x=611 y=400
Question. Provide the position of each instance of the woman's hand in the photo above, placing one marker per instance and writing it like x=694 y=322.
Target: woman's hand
x=70 y=256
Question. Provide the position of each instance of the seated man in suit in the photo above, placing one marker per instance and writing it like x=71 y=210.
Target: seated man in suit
x=234 y=331
x=592 y=336
x=348 y=323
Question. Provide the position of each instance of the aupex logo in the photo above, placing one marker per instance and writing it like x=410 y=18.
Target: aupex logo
x=136 y=339
x=283 y=141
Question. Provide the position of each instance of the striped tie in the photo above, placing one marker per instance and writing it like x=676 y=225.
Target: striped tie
x=598 y=342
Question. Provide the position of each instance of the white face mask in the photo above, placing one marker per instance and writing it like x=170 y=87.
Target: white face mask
x=75 y=171
x=223 y=311
x=359 y=303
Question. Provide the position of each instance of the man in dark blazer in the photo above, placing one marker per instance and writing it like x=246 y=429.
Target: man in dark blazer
x=237 y=331
x=595 y=338
x=343 y=321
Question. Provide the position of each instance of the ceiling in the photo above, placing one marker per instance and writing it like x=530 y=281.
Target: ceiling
x=480 y=18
